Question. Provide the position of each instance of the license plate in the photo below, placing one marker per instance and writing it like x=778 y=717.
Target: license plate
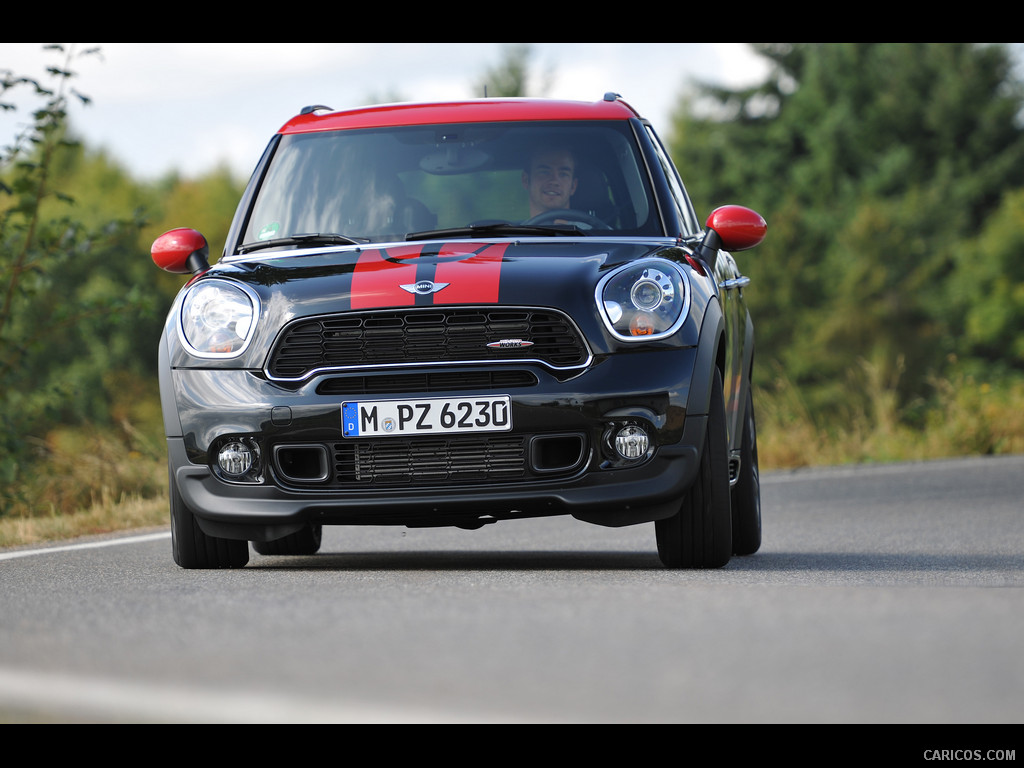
x=435 y=416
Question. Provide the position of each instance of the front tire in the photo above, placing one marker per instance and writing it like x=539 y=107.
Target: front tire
x=191 y=547
x=746 y=494
x=700 y=534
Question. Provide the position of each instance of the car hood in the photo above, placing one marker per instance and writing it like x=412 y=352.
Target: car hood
x=551 y=273
x=559 y=274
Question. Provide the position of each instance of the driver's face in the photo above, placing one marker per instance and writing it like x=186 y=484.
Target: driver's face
x=551 y=181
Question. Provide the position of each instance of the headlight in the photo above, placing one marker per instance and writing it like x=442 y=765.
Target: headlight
x=645 y=300
x=218 y=318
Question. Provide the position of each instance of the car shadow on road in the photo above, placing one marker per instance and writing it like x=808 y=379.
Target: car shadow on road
x=464 y=561
x=951 y=566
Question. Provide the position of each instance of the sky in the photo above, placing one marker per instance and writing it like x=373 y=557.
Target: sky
x=158 y=108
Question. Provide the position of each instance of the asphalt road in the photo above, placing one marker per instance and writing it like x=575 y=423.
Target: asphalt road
x=891 y=594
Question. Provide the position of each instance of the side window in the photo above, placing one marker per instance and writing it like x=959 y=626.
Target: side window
x=679 y=196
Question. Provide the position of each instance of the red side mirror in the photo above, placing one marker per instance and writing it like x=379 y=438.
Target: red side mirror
x=181 y=251
x=739 y=228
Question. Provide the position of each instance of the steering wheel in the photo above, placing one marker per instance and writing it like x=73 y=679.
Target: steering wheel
x=568 y=214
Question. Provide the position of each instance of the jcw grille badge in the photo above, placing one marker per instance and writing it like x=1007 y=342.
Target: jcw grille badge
x=424 y=287
x=510 y=343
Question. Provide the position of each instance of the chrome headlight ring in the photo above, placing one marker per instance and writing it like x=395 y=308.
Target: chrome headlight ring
x=644 y=300
x=217 y=318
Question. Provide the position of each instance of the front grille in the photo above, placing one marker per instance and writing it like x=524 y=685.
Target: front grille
x=393 y=461
x=435 y=335
x=431 y=381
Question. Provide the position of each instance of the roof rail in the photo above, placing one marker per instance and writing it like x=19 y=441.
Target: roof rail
x=313 y=108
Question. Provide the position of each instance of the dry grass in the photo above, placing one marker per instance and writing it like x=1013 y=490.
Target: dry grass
x=969 y=417
x=122 y=515
x=87 y=481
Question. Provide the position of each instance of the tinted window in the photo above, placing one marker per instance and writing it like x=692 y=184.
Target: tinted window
x=684 y=209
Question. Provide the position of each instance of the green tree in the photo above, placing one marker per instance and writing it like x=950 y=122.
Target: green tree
x=513 y=75
x=990 y=286
x=876 y=166
x=54 y=306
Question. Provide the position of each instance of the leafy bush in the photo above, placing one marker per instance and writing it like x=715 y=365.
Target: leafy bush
x=56 y=300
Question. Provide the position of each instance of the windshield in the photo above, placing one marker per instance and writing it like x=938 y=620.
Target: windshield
x=474 y=179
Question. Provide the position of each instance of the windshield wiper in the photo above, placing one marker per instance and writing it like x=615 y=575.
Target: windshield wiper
x=476 y=230
x=308 y=239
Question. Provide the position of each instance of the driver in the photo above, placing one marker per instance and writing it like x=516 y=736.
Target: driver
x=550 y=180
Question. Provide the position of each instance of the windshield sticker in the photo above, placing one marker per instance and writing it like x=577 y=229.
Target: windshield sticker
x=269 y=232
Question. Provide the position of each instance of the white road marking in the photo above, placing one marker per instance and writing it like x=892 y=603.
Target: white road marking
x=84 y=545
x=54 y=697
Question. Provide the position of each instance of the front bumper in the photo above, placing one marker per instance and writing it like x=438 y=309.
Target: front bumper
x=645 y=388
x=264 y=512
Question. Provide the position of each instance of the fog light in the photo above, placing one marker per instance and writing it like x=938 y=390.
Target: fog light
x=631 y=442
x=236 y=458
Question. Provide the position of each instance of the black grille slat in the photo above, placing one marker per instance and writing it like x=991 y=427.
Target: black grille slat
x=395 y=461
x=408 y=336
x=434 y=381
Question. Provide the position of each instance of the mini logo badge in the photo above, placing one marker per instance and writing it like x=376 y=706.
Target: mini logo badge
x=510 y=344
x=424 y=287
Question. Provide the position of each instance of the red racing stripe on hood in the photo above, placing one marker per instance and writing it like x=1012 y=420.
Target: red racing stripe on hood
x=472 y=279
x=380 y=275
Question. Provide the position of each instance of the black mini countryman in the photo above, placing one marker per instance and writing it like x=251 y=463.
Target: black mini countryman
x=456 y=314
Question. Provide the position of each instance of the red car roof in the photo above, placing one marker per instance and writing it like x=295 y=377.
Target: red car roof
x=475 y=111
